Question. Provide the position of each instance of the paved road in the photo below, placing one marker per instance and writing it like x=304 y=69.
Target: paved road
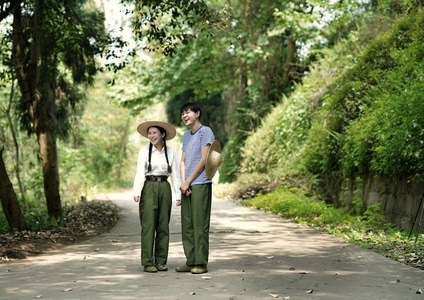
x=254 y=255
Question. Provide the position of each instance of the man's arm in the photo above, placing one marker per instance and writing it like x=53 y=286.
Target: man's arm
x=183 y=187
x=197 y=170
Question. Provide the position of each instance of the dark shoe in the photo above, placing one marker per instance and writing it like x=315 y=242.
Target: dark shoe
x=162 y=267
x=184 y=268
x=199 y=270
x=150 y=269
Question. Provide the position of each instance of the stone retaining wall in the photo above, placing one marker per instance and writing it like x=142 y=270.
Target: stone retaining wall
x=400 y=198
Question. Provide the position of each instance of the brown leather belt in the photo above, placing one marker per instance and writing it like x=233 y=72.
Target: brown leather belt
x=157 y=178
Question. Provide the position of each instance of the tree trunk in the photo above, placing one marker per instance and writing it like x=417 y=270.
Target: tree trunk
x=290 y=60
x=16 y=145
x=9 y=201
x=38 y=101
x=123 y=145
x=48 y=152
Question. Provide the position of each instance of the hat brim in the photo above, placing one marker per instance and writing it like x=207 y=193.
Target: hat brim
x=171 y=132
x=213 y=159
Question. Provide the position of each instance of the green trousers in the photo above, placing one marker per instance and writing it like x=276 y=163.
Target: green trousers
x=155 y=214
x=195 y=224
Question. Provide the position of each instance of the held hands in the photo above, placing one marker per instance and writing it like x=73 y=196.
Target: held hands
x=185 y=189
x=187 y=192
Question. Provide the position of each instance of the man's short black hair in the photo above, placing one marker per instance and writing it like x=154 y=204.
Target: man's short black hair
x=193 y=106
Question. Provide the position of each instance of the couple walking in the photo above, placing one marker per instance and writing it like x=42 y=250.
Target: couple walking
x=191 y=174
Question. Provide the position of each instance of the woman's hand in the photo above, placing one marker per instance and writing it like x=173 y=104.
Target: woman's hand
x=136 y=198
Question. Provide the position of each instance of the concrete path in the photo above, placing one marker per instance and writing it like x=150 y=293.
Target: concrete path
x=254 y=255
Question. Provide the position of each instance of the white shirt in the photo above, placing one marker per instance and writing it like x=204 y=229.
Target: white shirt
x=159 y=168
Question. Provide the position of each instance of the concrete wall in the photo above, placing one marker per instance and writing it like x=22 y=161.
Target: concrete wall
x=399 y=197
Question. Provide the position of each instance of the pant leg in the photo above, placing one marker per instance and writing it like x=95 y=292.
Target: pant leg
x=187 y=235
x=162 y=227
x=148 y=217
x=201 y=212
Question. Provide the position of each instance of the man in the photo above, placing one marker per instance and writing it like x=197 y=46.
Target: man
x=196 y=189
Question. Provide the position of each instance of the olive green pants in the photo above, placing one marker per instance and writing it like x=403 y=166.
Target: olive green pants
x=155 y=214
x=195 y=224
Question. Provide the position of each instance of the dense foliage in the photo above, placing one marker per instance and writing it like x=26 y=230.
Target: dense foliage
x=47 y=72
x=366 y=119
x=371 y=121
x=286 y=130
x=353 y=130
x=242 y=55
x=95 y=158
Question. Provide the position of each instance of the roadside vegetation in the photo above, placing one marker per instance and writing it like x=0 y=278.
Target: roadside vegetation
x=80 y=221
x=356 y=119
x=95 y=158
x=367 y=229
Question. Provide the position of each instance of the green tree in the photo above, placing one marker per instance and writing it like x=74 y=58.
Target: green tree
x=51 y=67
x=247 y=52
x=166 y=24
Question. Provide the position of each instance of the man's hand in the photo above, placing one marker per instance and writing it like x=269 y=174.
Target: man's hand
x=185 y=189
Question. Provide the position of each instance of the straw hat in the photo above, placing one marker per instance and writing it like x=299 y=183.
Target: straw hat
x=214 y=159
x=170 y=129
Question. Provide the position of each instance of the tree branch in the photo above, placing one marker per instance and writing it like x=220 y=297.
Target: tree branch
x=6 y=8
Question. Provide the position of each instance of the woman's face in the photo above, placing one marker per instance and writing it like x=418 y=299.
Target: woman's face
x=155 y=136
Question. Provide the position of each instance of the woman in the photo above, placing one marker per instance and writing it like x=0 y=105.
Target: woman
x=156 y=161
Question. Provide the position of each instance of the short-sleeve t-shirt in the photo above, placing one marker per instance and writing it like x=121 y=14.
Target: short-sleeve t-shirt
x=192 y=145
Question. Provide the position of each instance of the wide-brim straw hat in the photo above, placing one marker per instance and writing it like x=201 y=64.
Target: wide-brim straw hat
x=171 y=132
x=214 y=159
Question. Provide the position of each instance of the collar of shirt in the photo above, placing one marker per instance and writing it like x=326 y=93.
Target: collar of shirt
x=154 y=149
x=158 y=162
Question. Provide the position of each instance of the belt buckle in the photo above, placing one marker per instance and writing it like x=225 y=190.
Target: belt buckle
x=157 y=178
x=151 y=178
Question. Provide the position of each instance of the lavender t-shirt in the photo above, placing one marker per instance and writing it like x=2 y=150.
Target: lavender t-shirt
x=192 y=145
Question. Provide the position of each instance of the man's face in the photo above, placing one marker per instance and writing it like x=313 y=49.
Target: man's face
x=189 y=117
